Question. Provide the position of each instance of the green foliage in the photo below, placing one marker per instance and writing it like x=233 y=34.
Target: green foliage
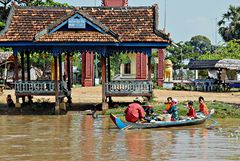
x=41 y=60
x=229 y=25
x=197 y=46
x=201 y=44
x=2 y=25
x=117 y=60
x=46 y=3
x=229 y=50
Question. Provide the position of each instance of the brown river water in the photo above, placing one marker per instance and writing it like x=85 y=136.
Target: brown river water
x=80 y=137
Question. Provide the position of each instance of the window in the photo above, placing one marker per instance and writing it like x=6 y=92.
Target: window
x=127 y=68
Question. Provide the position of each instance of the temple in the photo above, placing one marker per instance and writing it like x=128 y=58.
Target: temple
x=62 y=32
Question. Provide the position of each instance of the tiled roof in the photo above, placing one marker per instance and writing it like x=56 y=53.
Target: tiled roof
x=202 y=64
x=123 y=24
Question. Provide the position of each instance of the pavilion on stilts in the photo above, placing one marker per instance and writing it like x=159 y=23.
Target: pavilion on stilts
x=61 y=32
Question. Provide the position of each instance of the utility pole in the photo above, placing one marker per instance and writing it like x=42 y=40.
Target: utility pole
x=165 y=16
x=216 y=31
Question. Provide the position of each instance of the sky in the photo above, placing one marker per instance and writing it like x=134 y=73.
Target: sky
x=184 y=18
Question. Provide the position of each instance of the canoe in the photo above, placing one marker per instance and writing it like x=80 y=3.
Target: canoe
x=158 y=124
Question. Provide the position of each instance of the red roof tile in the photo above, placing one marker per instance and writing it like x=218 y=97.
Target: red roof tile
x=132 y=24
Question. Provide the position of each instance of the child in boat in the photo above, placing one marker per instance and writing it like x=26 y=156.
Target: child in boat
x=10 y=101
x=174 y=110
x=191 y=112
x=202 y=106
x=168 y=105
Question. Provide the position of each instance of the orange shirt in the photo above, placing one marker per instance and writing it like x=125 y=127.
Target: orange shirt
x=168 y=106
x=203 y=108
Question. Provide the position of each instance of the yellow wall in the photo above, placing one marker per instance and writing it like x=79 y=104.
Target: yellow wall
x=132 y=57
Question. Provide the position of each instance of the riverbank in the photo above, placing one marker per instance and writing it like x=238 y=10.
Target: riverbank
x=84 y=98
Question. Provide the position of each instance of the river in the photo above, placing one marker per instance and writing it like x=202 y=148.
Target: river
x=80 y=137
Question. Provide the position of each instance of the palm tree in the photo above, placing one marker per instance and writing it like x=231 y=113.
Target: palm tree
x=229 y=26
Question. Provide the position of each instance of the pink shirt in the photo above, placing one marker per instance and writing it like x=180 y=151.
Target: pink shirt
x=134 y=112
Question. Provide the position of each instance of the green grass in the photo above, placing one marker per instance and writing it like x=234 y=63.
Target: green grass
x=222 y=110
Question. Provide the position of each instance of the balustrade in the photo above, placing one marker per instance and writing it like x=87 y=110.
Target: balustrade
x=42 y=87
x=136 y=87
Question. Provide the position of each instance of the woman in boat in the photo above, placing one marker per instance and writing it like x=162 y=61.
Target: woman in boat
x=168 y=105
x=191 y=112
x=135 y=111
x=202 y=106
x=174 y=110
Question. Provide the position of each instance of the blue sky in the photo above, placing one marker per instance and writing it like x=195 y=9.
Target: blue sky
x=185 y=18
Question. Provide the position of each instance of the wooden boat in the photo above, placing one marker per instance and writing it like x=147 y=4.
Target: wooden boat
x=158 y=124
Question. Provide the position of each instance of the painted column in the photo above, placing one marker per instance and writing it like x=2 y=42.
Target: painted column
x=104 y=100
x=109 y=75
x=17 y=105
x=56 y=85
x=23 y=72
x=60 y=67
x=87 y=69
x=28 y=66
x=141 y=71
x=69 y=76
x=160 y=78
x=149 y=68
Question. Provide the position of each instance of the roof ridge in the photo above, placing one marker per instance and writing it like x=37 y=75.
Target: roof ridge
x=84 y=7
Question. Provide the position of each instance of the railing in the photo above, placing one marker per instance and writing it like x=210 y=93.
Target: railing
x=42 y=87
x=128 y=88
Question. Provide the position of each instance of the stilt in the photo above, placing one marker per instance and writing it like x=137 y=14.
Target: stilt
x=104 y=100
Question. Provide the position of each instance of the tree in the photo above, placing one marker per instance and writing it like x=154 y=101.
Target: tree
x=201 y=44
x=229 y=25
x=41 y=3
x=229 y=50
x=5 y=3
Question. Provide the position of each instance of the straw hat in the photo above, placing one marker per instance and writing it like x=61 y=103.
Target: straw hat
x=138 y=99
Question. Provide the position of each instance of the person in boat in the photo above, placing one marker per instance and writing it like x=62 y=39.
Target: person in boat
x=174 y=110
x=191 y=112
x=202 y=106
x=10 y=102
x=135 y=111
x=168 y=105
x=148 y=109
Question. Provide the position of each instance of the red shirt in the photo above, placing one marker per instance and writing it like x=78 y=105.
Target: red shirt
x=134 y=112
x=191 y=112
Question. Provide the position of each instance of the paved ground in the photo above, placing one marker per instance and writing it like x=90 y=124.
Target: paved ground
x=93 y=95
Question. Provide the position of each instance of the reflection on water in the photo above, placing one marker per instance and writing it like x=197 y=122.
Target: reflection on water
x=79 y=137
